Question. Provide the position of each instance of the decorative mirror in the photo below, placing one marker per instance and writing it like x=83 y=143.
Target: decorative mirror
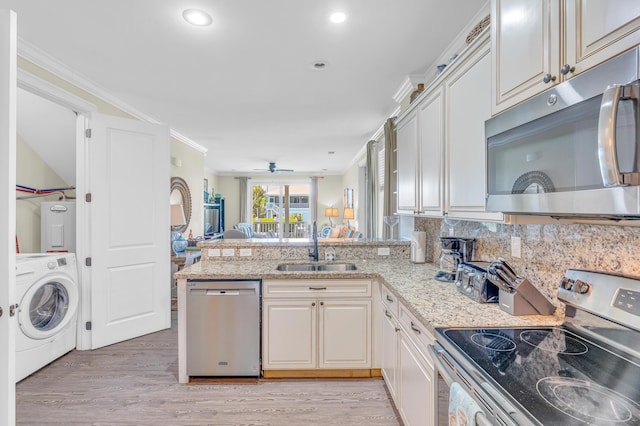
x=180 y=194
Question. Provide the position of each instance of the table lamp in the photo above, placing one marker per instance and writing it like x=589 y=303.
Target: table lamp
x=331 y=212
x=178 y=219
x=348 y=214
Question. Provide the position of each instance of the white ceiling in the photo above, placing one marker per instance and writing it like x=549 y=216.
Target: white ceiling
x=244 y=87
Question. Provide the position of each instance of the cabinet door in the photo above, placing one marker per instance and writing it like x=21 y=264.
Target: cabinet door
x=525 y=39
x=468 y=106
x=597 y=30
x=407 y=148
x=345 y=334
x=431 y=129
x=289 y=334
x=417 y=388
x=389 y=343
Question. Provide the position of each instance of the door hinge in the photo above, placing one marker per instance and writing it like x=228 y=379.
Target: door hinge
x=87 y=261
x=87 y=133
x=12 y=309
x=87 y=325
x=87 y=197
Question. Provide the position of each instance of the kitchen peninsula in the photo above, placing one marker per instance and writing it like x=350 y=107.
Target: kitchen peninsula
x=428 y=302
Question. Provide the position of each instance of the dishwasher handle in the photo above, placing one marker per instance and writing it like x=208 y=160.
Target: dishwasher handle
x=221 y=292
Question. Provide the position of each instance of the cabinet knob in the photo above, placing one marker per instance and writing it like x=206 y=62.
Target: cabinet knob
x=548 y=78
x=321 y=303
x=313 y=304
x=566 y=69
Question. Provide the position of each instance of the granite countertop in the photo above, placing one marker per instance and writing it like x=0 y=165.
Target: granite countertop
x=434 y=303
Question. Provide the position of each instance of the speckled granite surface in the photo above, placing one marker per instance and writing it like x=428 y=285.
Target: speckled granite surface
x=298 y=248
x=435 y=303
x=547 y=250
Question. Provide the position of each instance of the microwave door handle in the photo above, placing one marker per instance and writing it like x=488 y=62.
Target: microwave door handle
x=607 y=149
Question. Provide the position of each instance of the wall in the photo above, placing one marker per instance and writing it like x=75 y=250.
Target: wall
x=33 y=172
x=547 y=250
x=191 y=169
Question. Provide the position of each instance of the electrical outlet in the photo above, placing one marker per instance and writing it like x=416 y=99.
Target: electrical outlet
x=214 y=252
x=516 y=247
x=245 y=252
x=229 y=252
x=383 y=251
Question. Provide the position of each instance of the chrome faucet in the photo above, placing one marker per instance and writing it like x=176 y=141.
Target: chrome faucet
x=314 y=254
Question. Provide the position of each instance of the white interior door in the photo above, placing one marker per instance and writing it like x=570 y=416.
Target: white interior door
x=128 y=178
x=8 y=60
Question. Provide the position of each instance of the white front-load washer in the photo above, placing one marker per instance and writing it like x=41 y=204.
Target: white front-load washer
x=47 y=294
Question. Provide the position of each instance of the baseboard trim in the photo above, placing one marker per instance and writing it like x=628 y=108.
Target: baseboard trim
x=322 y=374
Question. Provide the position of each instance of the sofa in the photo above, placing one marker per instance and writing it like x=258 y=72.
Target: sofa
x=247 y=228
x=338 y=231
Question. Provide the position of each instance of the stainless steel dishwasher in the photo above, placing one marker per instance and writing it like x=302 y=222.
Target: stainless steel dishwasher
x=223 y=328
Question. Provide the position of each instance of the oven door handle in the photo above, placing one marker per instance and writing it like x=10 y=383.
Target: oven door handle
x=435 y=354
x=481 y=417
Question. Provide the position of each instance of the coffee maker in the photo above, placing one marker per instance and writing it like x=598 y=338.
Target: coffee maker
x=453 y=251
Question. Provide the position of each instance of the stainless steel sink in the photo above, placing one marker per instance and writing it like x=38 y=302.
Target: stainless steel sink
x=316 y=267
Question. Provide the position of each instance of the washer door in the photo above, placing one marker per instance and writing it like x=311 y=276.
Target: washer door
x=48 y=306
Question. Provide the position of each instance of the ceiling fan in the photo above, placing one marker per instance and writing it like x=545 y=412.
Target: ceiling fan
x=274 y=169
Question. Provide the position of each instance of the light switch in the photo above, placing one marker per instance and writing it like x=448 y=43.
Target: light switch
x=228 y=252
x=245 y=252
x=214 y=252
x=383 y=251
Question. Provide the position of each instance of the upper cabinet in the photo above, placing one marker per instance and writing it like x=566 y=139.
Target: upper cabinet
x=468 y=106
x=441 y=146
x=536 y=44
x=419 y=155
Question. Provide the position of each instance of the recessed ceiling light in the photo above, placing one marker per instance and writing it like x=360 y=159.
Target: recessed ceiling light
x=197 y=17
x=338 y=17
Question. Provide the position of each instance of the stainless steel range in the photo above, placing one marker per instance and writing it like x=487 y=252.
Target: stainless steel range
x=586 y=371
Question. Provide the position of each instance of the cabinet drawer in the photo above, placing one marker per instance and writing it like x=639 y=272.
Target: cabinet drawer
x=416 y=332
x=389 y=301
x=315 y=288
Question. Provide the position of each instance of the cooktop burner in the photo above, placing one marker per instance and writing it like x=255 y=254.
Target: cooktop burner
x=494 y=342
x=554 y=340
x=587 y=402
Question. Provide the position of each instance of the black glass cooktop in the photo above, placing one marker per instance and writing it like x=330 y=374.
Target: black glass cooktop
x=557 y=376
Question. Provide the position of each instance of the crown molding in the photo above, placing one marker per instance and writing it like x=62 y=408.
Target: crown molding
x=408 y=85
x=52 y=65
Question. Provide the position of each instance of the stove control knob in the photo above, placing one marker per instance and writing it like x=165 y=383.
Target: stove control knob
x=51 y=265
x=581 y=287
x=566 y=283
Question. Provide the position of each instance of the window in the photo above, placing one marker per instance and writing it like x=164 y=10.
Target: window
x=278 y=214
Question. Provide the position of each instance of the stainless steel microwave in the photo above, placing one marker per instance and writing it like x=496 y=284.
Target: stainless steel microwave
x=571 y=151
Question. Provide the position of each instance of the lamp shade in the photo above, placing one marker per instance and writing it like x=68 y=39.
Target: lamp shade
x=348 y=213
x=331 y=212
x=177 y=215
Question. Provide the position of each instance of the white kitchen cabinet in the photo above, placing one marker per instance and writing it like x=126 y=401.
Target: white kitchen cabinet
x=407 y=172
x=289 y=330
x=468 y=106
x=441 y=144
x=406 y=368
x=536 y=44
x=389 y=345
x=420 y=140
x=344 y=334
x=316 y=324
x=417 y=395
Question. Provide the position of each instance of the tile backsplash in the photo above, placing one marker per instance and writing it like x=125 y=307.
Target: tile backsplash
x=547 y=250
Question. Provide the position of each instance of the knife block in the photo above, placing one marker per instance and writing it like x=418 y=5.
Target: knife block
x=515 y=304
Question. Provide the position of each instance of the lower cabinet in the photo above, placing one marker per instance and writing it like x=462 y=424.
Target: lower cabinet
x=322 y=328
x=406 y=368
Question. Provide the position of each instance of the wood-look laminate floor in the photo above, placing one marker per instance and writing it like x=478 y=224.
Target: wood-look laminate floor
x=135 y=383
